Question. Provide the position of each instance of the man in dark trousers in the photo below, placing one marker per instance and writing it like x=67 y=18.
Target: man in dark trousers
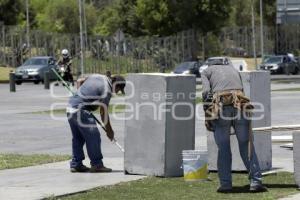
x=94 y=92
x=224 y=102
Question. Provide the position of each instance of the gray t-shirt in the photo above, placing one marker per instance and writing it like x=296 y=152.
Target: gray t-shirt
x=218 y=78
x=95 y=89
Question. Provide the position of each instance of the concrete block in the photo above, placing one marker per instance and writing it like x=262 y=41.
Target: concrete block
x=154 y=133
x=258 y=88
x=296 y=154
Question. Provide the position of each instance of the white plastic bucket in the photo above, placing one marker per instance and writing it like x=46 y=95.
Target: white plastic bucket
x=195 y=165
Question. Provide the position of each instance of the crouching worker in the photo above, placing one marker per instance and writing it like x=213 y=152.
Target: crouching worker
x=93 y=92
x=120 y=81
x=226 y=106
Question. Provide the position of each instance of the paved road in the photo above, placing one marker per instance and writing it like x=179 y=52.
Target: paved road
x=24 y=132
x=44 y=181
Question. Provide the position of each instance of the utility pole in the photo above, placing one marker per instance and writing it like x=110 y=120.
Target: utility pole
x=261 y=30
x=253 y=34
x=81 y=39
x=28 y=27
x=84 y=25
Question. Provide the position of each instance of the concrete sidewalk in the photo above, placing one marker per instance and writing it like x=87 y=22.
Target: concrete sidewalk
x=292 y=197
x=42 y=181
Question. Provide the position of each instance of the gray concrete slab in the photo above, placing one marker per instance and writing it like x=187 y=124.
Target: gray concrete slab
x=159 y=128
x=42 y=181
x=296 y=149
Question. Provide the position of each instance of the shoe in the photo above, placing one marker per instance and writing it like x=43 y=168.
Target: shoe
x=80 y=169
x=224 y=190
x=100 y=169
x=258 y=188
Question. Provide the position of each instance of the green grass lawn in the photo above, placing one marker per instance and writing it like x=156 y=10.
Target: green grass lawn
x=9 y=161
x=151 y=188
x=199 y=100
x=4 y=74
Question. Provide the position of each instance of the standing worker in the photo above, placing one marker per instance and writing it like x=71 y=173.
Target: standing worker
x=93 y=92
x=226 y=106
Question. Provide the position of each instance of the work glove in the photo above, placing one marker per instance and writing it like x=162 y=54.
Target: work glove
x=110 y=134
x=207 y=99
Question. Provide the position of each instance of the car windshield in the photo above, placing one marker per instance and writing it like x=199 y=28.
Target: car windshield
x=36 y=61
x=185 y=66
x=274 y=59
x=214 y=61
x=264 y=60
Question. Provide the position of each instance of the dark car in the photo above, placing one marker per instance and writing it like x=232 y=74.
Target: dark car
x=34 y=68
x=191 y=67
x=280 y=65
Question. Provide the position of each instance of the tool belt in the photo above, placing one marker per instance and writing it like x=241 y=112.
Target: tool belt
x=235 y=98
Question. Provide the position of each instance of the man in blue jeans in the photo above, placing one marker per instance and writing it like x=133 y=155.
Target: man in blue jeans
x=94 y=92
x=224 y=83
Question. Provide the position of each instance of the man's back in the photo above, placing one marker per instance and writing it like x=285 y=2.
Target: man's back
x=221 y=77
x=96 y=88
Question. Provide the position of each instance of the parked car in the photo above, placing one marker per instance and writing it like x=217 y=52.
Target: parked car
x=214 y=61
x=191 y=67
x=282 y=64
x=34 y=68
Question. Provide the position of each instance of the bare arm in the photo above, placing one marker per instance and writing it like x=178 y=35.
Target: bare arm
x=105 y=119
x=80 y=81
x=205 y=84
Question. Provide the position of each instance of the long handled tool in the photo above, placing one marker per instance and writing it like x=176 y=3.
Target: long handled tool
x=96 y=119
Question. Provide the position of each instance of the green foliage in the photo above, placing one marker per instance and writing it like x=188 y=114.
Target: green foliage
x=155 y=15
x=164 y=17
x=63 y=16
x=241 y=12
x=108 y=22
x=136 y=17
x=11 y=11
x=212 y=45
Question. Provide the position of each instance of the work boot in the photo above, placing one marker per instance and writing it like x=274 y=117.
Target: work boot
x=258 y=188
x=100 y=169
x=79 y=169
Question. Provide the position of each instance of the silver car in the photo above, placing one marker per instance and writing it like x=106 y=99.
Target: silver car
x=34 y=68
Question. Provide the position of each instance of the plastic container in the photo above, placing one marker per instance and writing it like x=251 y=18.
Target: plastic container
x=195 y=165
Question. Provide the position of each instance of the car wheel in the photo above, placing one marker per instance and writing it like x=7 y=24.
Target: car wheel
x=36 y=82
x=18 y=82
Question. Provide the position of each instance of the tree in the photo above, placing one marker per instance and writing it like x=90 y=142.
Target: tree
x=166 y=17
x=156 y=16
x=10 y=11
x=269 y=11
x=63 y=16
x=241 y=15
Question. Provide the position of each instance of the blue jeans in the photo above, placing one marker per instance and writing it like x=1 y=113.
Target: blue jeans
x=87 y=134
x=222 y=127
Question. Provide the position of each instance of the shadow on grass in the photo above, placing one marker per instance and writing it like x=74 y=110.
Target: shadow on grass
x=245 y=188
x=281 y=186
